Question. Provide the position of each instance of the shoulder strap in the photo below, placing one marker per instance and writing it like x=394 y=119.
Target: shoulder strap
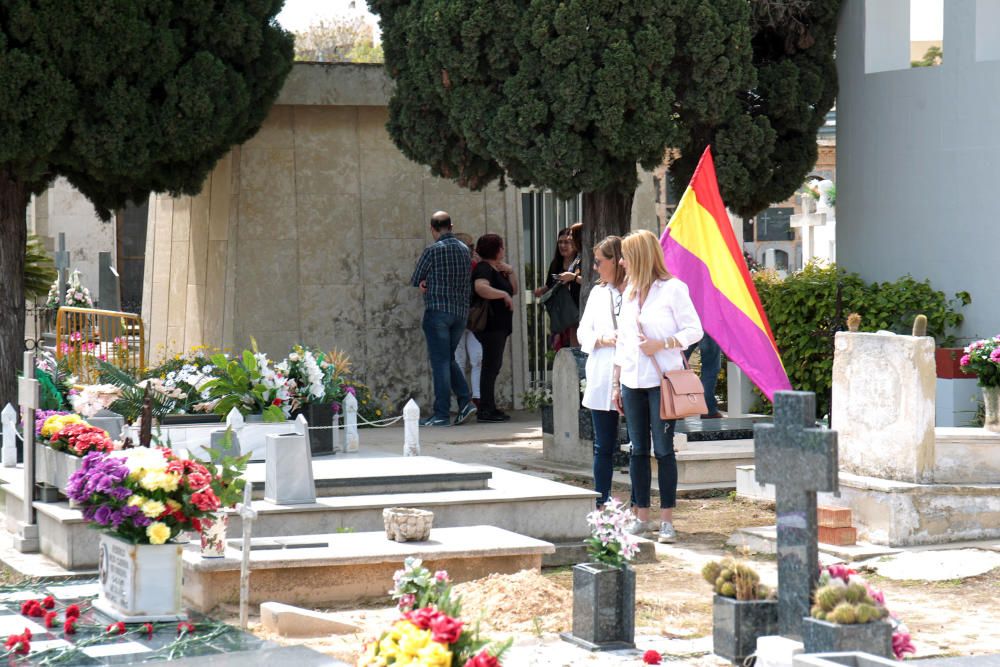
x=659 y=371
x=611 y=303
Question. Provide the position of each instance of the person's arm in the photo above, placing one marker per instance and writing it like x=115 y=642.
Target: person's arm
x=616 y=390
x=483 y=289
x=689 y=324
x=586 y=332
x=422 y=269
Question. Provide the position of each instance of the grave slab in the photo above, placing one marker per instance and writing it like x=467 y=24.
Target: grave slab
x=353 y=566
x=290 y=621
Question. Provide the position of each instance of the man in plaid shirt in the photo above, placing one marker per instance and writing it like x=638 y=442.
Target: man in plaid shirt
x=443 y=275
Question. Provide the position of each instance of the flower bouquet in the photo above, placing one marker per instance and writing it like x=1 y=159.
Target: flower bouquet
x=982 y=357
x=143 y=495
x=79 y=439
x=48 y=422
x=430 y=633
x=609 y=542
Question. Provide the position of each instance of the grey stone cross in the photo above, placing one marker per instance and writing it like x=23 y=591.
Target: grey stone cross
x=62 y=266
x=799 y=459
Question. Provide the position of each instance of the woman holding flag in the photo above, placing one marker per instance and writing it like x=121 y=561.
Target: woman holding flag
x=657 y=322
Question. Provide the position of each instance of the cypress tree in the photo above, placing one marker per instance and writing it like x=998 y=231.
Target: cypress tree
x=123 y=98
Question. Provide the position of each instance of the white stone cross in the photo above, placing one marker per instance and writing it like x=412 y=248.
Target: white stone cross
x=799 y=459
x=411 y=429
x=61 y=258
x=351 y=423
x=248 y=515
x=9 y=419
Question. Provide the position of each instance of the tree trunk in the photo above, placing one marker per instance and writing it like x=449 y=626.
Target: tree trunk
x=13 y=233
x=605 y=213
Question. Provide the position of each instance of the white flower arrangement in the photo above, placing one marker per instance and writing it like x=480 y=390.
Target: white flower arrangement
x=76 y=294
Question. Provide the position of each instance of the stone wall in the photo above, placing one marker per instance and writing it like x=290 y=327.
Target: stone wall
x=309 y=233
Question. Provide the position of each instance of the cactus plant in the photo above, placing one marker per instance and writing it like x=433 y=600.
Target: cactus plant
x=854 y=322
x=736 y=580
x=920 y=325
x=846 y=605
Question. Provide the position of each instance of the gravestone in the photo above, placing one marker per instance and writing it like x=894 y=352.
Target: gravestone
x=8 y=419
x=569 y=444
x=112 y=422
x=288 y=470
x=61 y=259
x=108 y=293
x=799 y=459
x=883 y=405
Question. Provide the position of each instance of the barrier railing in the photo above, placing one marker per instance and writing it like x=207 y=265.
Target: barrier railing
x=86 y=335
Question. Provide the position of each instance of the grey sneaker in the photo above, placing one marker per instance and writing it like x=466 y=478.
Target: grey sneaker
x=465 y=413
x=435 y=421
x=667 y=533
x=638 y=527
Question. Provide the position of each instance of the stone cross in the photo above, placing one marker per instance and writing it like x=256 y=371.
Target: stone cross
x=351 y=423
x=248 y=514
x=9 y=419
x=799 y=459
x=62 y=266
x=26 y=540
x=411 y=429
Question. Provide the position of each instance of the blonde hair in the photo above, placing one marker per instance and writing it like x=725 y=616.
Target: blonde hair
x=611 y=248
x=466 y=239
x=644 y=256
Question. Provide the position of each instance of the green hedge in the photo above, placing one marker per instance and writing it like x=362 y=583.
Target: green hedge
x=808 y=308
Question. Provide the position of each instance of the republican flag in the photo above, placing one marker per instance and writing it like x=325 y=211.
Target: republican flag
x=699 y=247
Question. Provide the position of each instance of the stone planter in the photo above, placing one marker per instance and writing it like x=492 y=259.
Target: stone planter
x=53 y=467
x=991 y=402
x=826 y=637
x=548 y=424
x=736 y=625
x=404 y=524
x=603 y=607
x=320 y=440
x=213 y=535
x=139 y=582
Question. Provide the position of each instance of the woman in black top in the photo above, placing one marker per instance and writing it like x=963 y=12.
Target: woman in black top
x=565 y=268
x=494 y=280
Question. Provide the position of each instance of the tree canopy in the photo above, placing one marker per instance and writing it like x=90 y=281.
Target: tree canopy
x=123 y=98
x=571 y=94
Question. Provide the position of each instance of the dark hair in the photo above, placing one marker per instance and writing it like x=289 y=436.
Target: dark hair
x=556 y=266
x=441 y=223
x=488 y=246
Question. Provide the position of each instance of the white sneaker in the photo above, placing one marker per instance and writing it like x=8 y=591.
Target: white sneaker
x=667 y=533
x=638 y=527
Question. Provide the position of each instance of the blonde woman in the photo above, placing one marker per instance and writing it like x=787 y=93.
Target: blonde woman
x=598 y=333
x=657 y=323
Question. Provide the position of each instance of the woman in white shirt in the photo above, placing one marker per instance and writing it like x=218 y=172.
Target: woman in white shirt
x=657 y=323
x=598 y=333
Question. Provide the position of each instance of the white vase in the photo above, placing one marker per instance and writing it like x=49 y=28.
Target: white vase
x=991 y=401
x=139 y=582
x=54 y=467
x=213 y=535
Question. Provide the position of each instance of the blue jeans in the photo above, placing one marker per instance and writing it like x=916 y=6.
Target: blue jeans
x=642 y=416
x=605 y=444
x=711 y=364
x=443 y=331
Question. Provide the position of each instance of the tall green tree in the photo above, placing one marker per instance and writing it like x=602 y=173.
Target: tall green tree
x=571 y=94
x=123 y=98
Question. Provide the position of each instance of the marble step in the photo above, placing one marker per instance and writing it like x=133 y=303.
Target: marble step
x=313 y=570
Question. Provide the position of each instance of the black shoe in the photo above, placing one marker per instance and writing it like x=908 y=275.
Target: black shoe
x=490 y=417
x=502 y=415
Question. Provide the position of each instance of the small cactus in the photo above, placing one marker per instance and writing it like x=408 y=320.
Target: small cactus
x=844 y=614
x=735 y=580
x=846 y=605
x=854 y=322
x=920 y=325
x=867 y=613
x=727 y=590
x=829 y=597
x=711 y=571
x=856 y=594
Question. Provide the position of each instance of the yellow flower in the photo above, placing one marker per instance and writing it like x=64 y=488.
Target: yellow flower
x=56 y=422
x=153 y=508
x=157 y=532
x=435 y=654
x=137 y=500
x=378 y=413
x=153 y=480
x=173 y=504
x=413 y=640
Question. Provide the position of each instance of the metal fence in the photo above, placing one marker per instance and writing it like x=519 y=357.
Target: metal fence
x=86 y=335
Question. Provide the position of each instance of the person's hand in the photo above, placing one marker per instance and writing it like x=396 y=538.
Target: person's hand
x=540 y=291
x=509 y=302
x=423 y=286
x=505 y=268
x=650 y=346
x=567 y=276
x=616 y=400
x=608 y=341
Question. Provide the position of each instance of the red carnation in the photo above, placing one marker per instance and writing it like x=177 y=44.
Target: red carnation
x=185 y=628
x=206 y=500
x=115 y=628
x=423 y=617
x=651 y=657
x=21 y=644
x=197 y=480
x=49 y=602
x=73 y=611
x=148 y=627
x=69 y=627
x=482 y=659
x=50 y=619
x=446 y=629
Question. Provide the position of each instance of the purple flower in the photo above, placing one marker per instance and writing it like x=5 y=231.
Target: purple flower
x=335 y=406
x=103 y=515
x=141 y=520
x=350 y=390
x=120 y=492
x=88 y=513
x=116 y=518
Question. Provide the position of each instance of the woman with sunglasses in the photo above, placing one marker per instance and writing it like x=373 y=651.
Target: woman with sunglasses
x=565 y=269
x=598 y=333
x=657 y=323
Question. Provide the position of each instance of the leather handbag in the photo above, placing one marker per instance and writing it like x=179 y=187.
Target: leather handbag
x=479 y=315
x=681 y=393
x=563 y=311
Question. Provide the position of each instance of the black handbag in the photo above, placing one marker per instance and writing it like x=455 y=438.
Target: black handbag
x=563 y=311
x=479 y=315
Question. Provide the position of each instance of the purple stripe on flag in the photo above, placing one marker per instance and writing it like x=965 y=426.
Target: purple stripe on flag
x=740 y=338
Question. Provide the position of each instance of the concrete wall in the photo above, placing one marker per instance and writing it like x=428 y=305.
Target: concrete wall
x=919 y=152
x=308 y=233
x=62 y=208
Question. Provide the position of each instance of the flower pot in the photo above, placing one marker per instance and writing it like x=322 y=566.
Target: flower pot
x=403 y=524
x=548 y=423
x=53 y=467
x=603 y=607
x=991 y=402
x=825 y=637
x=139 y=582
x=320 y=439
x=736 y=625
x=213 y=535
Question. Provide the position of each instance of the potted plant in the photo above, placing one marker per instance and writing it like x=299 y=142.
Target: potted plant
x=320 y=388
x=141 y=498
x=982 y=357
x=539 y=397
x=227 y=484
x=604 y=589
x=63 y=440
x=743 y=609
x=850 y=615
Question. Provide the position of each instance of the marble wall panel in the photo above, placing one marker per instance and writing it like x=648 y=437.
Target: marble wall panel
x=270 y=170
x=333 y=317
x=319 y=171
x=177 y=294
x=372 y=135
x=384 y=175
x=267 y=275
x=397 y=365
x=264 y=215
x=399 y=217
x=330 y=129
x=215 y=296
x=198 y=248
x=181 y=220
x=330 y=236
x=275 y=132
x=220 y=199
x=275 y=344
x=389 y=301
x=195 y=316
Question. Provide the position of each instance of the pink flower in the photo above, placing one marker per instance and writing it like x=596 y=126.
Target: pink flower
x=840 y=571
x=995 y=355
x=441 y=577
x=964 y=361
x=901 y=644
